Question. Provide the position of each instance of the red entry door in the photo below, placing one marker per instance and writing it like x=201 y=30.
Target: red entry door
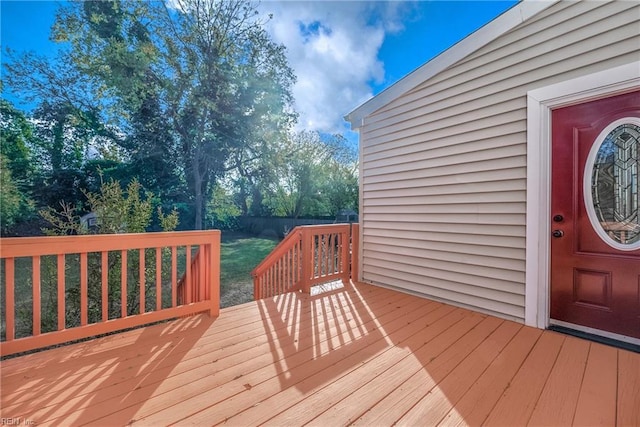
x=595 y=196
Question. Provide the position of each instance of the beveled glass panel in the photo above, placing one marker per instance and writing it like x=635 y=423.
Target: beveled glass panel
x=614 y=184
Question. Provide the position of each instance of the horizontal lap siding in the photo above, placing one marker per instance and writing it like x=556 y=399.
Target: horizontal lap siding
x=444 y=165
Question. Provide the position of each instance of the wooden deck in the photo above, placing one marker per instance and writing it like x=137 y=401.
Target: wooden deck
x=361 y=354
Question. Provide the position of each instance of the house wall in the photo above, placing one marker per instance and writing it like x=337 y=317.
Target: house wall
x=444 y=165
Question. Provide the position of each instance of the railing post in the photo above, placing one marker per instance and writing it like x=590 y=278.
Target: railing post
x=355 y=252
x=344 y=254
x=214 y=262
x=256 y=289
x=307 y=260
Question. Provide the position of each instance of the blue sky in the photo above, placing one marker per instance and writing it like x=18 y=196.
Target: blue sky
x=343 y=52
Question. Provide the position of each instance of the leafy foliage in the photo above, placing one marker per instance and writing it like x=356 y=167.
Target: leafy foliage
x=197 y=84
x=222 y=212
x=314 y=177
x=13 y=204
x=116 y=211
x=192 y=102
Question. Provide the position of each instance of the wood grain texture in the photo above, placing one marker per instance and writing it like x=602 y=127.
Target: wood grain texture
x=359 y=354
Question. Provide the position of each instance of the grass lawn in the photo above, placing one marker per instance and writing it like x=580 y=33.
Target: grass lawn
x=240 y=253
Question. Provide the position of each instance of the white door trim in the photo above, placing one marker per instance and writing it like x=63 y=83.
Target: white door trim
x=540 y=102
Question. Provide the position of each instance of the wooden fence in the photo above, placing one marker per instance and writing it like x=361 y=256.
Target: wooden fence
x=80 y=264
x=276 y=226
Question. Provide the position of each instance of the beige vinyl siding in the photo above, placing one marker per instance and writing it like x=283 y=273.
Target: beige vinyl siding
x=444 y=165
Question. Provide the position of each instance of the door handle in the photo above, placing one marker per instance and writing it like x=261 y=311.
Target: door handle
x=557 y=233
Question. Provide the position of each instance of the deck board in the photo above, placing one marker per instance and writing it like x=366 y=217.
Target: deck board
x=360 y=354
x=558 y=400
x=597 y=400
x=628 y=408
x=433 y=407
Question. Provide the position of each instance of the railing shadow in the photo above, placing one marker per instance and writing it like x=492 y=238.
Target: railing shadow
x=84 y=382
x=327 y=327
x=410 y=346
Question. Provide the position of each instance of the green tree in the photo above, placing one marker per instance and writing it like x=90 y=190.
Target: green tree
x=207 y=69
x=317 y=175
x=17 y=168
x=14 y=206
x=222 y=210
x=17 y=137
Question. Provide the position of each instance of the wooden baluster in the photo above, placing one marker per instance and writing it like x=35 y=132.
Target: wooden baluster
x=338 y=266
x=104 y=267
x=123 y=284
x=331 y=265
x=319 y=259
x=203 y=274
x=299 y=261
x=188 y=284
x=61 y=293
x=281 y=276
x=84 y=290
x=274 y=281
x=289 y=270
x=333 y=240
x=10 y=310
x=142 y=278
x=36 y=306
x=294 y=265
x=158 y=278
x=174 y=276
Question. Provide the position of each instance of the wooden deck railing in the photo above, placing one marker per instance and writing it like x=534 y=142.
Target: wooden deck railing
x=308 y=256
x=90 y=280
x=193 y=277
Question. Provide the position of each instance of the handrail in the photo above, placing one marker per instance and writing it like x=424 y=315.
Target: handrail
x=280 y=271
x=97 y=259
x=308 y=256
x=290 y=239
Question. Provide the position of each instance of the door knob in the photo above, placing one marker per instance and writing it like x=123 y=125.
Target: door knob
x=557 y=233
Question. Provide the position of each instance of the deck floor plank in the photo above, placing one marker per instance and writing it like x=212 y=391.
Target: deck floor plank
x=476 y=404
x=342 y=412
x=360 y=354
x=288 y=397
x=558 y=400
x=433 y=407
x=597 y=401
x=519 y=399
x=160 y=392
x=335 y=381
x=628 y=408
x=233 y=342
x=225 y=383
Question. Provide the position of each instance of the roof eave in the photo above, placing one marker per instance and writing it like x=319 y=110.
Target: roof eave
x=484 y=35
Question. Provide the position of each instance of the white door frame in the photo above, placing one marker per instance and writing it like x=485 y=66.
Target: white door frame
x=540 y=102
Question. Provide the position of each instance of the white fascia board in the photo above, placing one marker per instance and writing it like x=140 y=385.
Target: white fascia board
x=484 y=35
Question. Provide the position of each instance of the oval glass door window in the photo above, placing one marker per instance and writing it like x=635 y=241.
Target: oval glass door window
x=611 y=184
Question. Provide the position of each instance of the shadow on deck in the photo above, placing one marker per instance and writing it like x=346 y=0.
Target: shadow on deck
x=358 y=354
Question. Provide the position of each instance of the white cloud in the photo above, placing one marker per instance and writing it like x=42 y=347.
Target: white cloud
x=333 y=48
